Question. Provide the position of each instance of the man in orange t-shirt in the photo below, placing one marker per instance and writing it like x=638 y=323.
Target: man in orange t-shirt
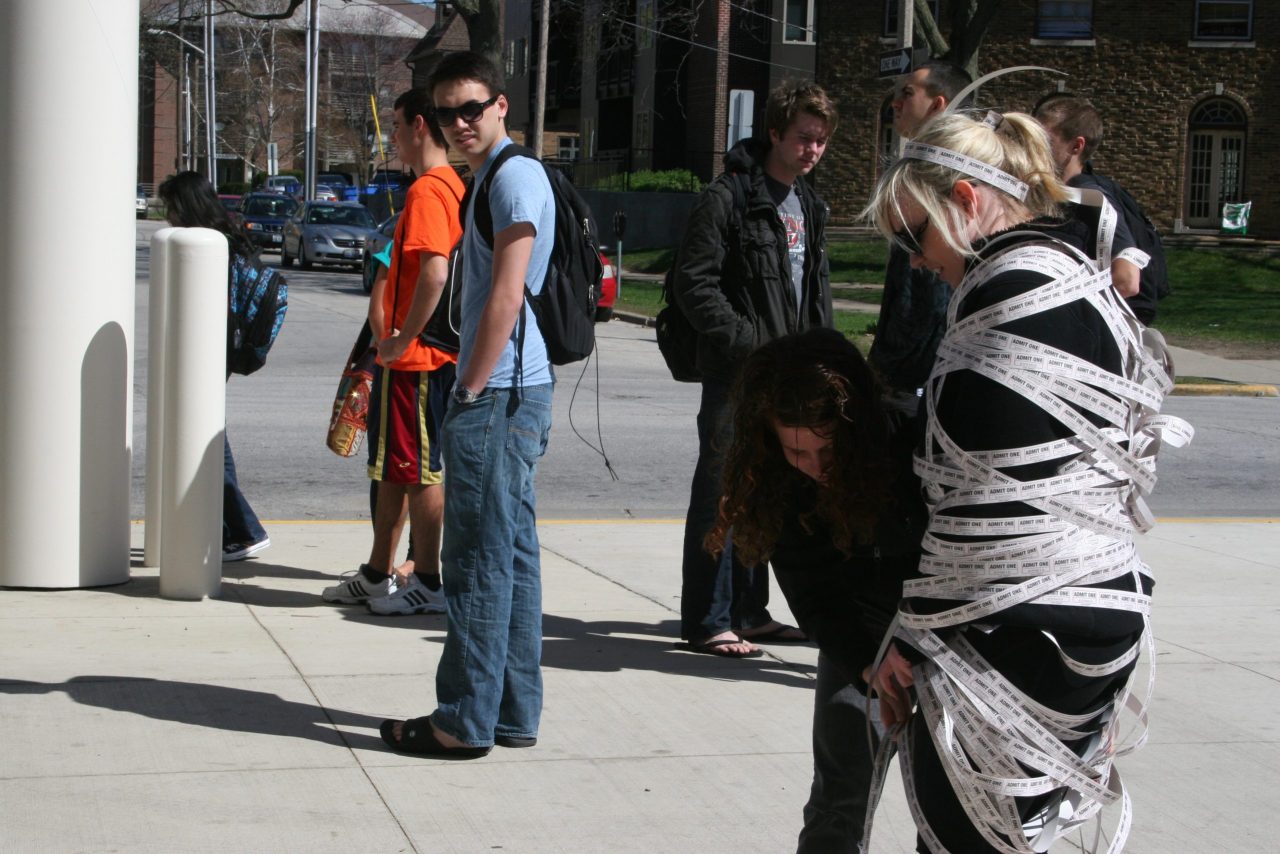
x=412 y=380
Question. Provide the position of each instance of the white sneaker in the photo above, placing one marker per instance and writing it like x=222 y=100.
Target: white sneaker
x=413 y=597
x=357 y=589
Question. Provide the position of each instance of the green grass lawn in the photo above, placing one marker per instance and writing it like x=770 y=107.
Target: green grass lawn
x=1219 y=295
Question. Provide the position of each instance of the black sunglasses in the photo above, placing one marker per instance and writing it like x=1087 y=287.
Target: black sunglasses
x=470 y=112
x=912 y=239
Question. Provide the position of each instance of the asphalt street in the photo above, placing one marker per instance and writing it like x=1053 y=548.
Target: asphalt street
x=276 y=421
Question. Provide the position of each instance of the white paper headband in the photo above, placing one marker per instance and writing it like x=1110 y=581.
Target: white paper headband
x=984 y=172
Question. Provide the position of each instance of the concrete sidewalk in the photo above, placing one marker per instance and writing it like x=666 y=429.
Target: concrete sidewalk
x=249 y=723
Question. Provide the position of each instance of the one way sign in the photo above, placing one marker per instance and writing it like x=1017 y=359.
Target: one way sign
x=895 y=62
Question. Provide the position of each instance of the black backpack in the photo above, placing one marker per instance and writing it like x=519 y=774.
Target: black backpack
x=1154 y=281
x=677 y=339
x=257 y=299
x=565 y=308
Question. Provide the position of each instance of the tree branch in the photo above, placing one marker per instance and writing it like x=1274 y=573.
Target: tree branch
x=927 y=28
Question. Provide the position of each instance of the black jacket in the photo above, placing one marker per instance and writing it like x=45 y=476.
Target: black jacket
x=733 y=275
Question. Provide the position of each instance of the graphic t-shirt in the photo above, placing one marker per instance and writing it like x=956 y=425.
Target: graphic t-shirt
x=792 y=216
x=428 y=225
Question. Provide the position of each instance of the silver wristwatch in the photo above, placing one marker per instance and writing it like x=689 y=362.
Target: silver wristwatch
x=463 y=395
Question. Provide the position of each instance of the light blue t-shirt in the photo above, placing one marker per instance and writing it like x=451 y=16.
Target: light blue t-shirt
x=520 y=192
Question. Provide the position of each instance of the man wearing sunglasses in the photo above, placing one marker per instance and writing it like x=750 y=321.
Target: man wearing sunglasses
x=913 y=308
x=489 y=681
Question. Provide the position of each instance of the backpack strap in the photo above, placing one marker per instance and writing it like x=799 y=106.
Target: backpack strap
x=483 y=217
x=399 y=244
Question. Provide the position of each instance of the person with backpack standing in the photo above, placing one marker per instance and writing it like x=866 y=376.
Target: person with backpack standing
x=191 y=202
x=751 y=268
x=489 y=680
x=1075 y=132
x=412 y=379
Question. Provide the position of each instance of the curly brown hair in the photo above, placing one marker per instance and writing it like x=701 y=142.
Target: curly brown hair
x=818 y=380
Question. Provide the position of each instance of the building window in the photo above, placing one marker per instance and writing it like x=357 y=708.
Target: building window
x=1064 y=19
x=567 y=148
x=891 y=16
x=1224 y=20
x=888 y=147
x=797 y=25
x=520 y=58
x=1215 y=162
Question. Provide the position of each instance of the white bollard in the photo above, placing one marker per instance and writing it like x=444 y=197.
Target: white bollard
x=67 y=288
x=155 y=391
x=194 y=419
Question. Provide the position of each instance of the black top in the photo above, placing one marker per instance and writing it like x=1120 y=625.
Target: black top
x=981 y=414
x=733 y=275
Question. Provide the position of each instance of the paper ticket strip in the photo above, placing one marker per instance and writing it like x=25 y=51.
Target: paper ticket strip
x=994 y=742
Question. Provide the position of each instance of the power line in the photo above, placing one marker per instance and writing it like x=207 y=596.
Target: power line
x=714 y=49
x=750 y=11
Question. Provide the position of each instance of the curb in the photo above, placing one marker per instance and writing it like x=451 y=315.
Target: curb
x=1187 y=389
x=1226 y=390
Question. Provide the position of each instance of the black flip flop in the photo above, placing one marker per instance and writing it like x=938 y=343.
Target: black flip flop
x=417 y=737
x=778 y=635
x=713 y=647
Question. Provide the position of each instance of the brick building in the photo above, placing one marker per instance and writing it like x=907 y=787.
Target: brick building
x=1187 y=93
x=260 y=84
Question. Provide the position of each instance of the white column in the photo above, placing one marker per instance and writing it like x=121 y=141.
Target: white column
x=156 y=347
x=68 y=110
x=194 y=413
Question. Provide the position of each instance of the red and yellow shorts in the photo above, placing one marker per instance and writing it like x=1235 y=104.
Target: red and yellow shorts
x=405 y=412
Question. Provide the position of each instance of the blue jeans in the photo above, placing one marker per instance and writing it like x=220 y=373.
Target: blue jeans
x=239 y=523
x=716 y=594
x=490 y=677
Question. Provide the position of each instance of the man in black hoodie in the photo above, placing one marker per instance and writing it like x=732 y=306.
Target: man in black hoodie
x=752 y=268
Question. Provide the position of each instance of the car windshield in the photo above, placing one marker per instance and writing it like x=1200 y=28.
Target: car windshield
x=331 y=179
x=269 y=206
x=327 y=215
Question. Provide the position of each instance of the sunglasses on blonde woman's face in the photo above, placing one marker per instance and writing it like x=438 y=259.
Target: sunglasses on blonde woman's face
x=470 y=112
x=912 y=238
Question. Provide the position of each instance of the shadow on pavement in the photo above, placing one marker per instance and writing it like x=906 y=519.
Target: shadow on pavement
x=214 y=706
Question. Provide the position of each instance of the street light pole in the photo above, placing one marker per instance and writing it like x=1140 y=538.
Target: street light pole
x=187 y=159
x=210 y=101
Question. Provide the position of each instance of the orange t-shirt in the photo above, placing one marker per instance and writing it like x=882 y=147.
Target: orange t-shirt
x=428 y=225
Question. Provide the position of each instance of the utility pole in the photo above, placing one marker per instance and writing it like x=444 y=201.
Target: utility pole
x=539 y=112
x=313 y=83
x=210 y=97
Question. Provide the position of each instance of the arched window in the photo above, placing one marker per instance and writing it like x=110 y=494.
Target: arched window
x=1215 y=144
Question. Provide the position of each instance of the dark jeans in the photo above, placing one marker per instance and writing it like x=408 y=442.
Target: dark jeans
x=239 y=523
x=717 y=594
x=842 y=763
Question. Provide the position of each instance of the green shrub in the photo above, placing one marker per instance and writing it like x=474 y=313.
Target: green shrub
x=233 y=188
x=648 y=181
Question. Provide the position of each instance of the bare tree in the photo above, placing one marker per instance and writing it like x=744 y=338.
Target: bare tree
x=259 y=82
x=969 y=22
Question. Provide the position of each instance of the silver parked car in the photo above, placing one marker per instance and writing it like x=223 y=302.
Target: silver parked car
x=326 y=233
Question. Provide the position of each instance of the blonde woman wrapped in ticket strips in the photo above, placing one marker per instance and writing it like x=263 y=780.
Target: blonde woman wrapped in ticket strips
x=1012 y=656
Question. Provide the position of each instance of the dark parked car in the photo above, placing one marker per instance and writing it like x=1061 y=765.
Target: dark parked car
x=326 y=233
x=263 y=215
x=340 y=184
